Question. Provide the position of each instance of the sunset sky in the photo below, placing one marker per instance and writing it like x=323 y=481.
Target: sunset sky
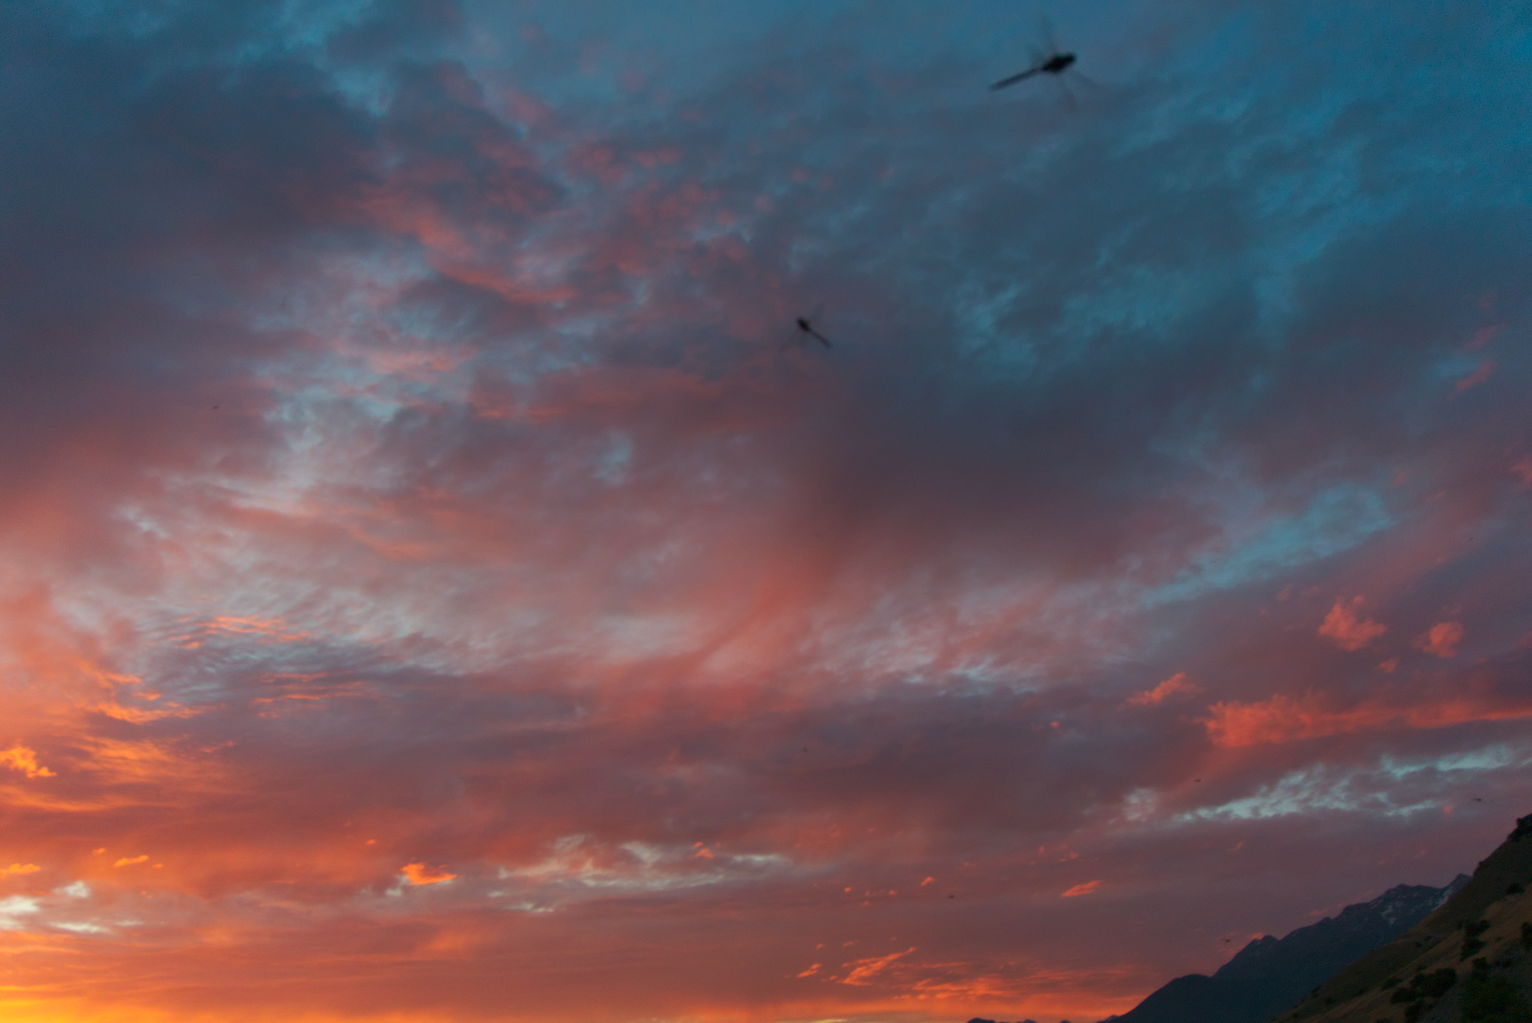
x=436 y=588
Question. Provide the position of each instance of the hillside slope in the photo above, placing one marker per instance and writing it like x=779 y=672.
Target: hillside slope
x=1270 y=974
x=1468 y=962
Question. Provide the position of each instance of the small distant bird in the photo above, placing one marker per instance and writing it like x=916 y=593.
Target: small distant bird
x=808 y=328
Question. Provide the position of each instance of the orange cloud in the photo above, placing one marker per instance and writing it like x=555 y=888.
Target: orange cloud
x=419 y=874
x=1442 y=639
x=1290 y=719
x=19 y=868
x=1347 y=628
x=128 y=861
x=1084 y=888
x=20 y=758
x=863 y=970
x=1176 y=685
x=810 y=971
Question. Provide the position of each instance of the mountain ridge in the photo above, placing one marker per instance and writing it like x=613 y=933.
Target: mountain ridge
x=1270 y=974
x=1469 y=961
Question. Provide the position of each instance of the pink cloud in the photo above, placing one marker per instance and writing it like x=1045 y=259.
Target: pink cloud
x=1442 y=639
x=1347 y=628
x=1483 y=336
x=1176 y=685
x=1284 y=718
x=1084 y=888
x=1484 y=372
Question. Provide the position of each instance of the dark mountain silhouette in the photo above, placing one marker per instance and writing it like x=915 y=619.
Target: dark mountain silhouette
x=1271 y=974
x=1468 y=962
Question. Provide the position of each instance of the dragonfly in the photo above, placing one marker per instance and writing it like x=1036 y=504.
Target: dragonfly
x=1054 y=65
x=807 y=327
x=1052 y=62
x=804 y=325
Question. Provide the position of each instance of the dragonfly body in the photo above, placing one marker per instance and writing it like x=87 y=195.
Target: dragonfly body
x=808 y=328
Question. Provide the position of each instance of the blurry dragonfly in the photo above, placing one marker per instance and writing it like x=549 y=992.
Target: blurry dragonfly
x=1052 y=61
x=806 y=329
x=1054 y=65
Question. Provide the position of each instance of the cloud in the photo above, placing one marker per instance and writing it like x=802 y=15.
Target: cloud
x=1176 y=685
x=23 y=759
x=13 y=908
x=1084 y=888
x=1442 y=639
x=129 y=861
x=1347 y=628
x=82 y=927
x=421 y=874
x=864 y=972
x=1522 y=470
x=1484 y=371
x=1285 y=718
x=19 y=868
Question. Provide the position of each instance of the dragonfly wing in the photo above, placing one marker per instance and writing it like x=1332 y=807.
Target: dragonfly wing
x=1045 y=32
x=1088 y=87
x=1070 y=98
x=1031 y=42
